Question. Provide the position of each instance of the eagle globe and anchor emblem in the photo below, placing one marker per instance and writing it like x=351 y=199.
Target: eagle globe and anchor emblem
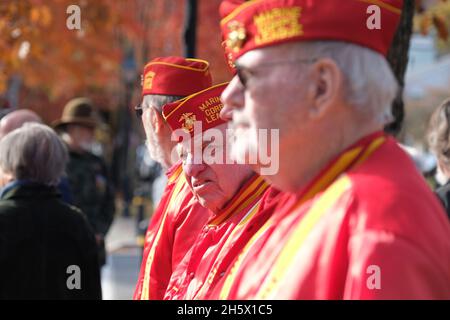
x=189 y=120
x=236 y=36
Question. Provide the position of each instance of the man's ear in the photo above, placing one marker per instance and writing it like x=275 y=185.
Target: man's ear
x=441 y=165
x=326 y=86
x=157 y=120
x=5 y=178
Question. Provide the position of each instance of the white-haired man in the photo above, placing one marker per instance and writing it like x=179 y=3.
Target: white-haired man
x=178 y=217
x=357 y=220
x=232 y=193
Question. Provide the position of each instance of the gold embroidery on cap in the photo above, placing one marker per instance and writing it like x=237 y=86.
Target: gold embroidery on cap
x=236 y=36
x=211 y=109
x=230 y=61
x=148 y=80
x=228 y=55
x=278 y=24
x=189 y=120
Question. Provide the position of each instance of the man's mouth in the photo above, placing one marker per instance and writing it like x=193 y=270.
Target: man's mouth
x=201 y=185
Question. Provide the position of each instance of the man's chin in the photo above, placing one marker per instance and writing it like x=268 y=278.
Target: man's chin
x=211 y=199
x=211 y=205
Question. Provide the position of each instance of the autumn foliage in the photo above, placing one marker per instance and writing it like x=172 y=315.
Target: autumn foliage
x=433 y=15
x=54 y=63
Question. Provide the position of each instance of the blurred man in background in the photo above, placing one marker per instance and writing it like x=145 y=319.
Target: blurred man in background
x=88 y=176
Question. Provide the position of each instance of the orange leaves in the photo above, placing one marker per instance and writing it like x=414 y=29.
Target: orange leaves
x=436 y=16
x=425 y=24
x=40 y=16
x=36 y=44
x=209 y=39
x=3 y=82
x=441 y=27
x=436 y=21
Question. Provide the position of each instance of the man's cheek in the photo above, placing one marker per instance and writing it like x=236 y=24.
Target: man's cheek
x=146 y=129
x=188 y=182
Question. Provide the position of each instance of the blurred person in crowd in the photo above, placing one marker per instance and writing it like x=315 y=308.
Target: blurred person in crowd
x=178 y=217
x=146 y=193
x=148 y=172
x=16 y=119
x=5 y=106
x=439 y=143
x=358 y=220
x=232 y=192
x=89 y=181
x=43 y=241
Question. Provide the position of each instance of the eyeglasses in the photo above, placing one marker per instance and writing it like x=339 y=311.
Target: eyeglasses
x=139 y=110
x=244 y=73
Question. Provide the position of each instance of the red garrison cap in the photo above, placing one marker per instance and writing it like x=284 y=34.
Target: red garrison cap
x=202 y=106
x=247 y=25
x=175 y=76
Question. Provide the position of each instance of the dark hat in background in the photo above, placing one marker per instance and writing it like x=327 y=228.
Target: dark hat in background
x=78 y=111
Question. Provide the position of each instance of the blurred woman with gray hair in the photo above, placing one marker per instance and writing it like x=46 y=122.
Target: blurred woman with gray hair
x=47 y=248
x=439 y=143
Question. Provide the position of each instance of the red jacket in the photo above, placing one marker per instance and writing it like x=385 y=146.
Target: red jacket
x=173 y=228
x=368 y=227
x=219 y=242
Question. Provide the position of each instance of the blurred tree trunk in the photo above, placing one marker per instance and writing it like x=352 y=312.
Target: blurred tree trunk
x=398 y=59
x=190 y=32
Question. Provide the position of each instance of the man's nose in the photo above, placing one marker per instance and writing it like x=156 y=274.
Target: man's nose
x=193 y=167
x=232 y=98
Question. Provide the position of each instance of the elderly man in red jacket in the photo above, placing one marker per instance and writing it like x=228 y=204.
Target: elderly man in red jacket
x=178 y=217
x=356 y=220
x=232 y=192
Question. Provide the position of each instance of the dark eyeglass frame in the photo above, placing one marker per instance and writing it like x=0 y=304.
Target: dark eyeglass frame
x=243 y=77
x=139 y=110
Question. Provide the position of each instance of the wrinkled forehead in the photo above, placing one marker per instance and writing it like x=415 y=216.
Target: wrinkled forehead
x=216 y=137
x=267 y=54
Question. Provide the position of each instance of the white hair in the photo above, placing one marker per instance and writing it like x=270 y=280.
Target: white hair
x=369 y=81
x=155 y=143
x=34 y=152
x=438 y=132
x=158 y=101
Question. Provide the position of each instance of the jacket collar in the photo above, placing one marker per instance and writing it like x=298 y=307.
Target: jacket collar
x=27 y=189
